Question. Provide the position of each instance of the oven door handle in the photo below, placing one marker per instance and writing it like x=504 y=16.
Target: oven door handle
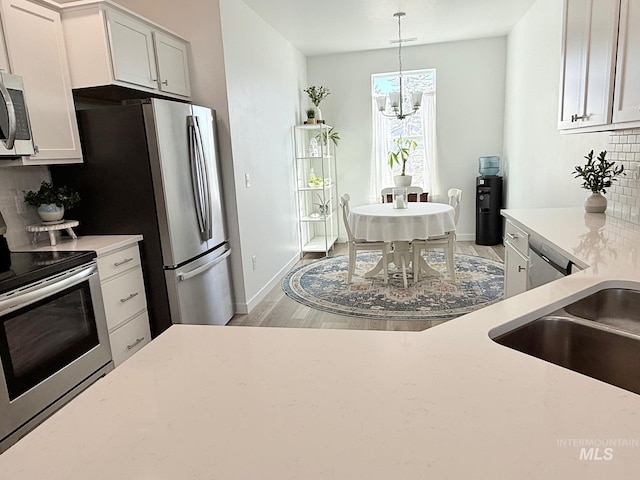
x=44 y=289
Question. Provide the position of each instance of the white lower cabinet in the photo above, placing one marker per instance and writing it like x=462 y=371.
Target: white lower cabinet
x=515 y=271
x=516 y=260
x=125 y=302
x=127 y=339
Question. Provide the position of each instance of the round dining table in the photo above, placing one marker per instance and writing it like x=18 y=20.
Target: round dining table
x=382 y=222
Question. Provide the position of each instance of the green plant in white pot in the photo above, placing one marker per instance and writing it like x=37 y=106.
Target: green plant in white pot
x=52 y=201
x=400 y=155
x=597 y=175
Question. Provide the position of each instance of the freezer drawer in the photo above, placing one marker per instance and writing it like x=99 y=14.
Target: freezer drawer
x=200 y=291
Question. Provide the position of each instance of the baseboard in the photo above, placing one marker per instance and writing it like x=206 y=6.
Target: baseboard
x=245 y=308
x=466 y=237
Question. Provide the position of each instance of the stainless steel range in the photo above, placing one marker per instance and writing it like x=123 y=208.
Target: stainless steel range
x=53 y=334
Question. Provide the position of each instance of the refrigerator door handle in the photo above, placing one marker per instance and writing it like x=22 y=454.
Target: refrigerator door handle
x=203 y=268
x=206 y=184
x=196 y=174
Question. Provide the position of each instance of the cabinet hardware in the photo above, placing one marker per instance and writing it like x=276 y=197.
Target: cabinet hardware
x=512 y=236
x=576 y=117
x=166 y=82
x=126 y=260
x=138 y=340
x=36 y=150
x=133 y=295
x=521 y=268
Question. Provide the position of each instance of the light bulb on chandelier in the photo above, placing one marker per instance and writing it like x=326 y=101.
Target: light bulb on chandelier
x=395 y=98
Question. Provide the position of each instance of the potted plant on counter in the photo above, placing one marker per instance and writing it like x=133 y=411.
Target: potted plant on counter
x=52 y=201
x=597 y=175
x=399 y=155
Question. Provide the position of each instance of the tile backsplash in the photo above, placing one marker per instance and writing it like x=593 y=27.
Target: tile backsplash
x=17 y=214
x=624 y=195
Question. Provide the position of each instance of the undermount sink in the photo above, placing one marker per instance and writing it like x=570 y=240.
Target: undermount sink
x=598 y=336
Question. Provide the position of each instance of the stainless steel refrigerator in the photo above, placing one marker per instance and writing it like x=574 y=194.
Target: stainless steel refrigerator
x=151 y=167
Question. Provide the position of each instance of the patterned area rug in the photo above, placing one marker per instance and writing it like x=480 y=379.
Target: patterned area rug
x=323 y=285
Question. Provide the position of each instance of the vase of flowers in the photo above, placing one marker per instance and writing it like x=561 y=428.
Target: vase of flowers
x=317 y=94
x=597 y=175
x=51 y=201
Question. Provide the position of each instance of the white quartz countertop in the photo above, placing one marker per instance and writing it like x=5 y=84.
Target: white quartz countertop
x=101 y=244
x=208 y=402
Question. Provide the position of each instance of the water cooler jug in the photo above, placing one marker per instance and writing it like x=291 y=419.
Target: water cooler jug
x=488 y=202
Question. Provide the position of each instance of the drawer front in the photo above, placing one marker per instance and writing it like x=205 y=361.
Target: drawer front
x=129 y=338
x=118 y=262
x=517 y=237
x=124 y=296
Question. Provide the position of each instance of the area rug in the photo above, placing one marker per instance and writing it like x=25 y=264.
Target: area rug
x=322 y=285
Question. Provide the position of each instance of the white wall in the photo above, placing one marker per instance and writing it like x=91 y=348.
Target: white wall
x=253 y=77
x=539 y=159
x=265 y=76
x=470 y=107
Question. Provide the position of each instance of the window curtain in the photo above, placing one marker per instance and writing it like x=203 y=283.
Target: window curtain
x=381 y=174
x=428 y=112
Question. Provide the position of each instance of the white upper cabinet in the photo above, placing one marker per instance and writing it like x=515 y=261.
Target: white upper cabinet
x=173 y=65
x=626 y=102
x=132 y=50
x=588 y=62
x=109 y=45
x=36 y=51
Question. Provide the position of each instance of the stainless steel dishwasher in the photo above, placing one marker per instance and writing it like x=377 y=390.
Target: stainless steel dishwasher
x=546 y=264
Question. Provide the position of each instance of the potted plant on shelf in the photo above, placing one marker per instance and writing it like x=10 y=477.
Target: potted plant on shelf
x=317 y=94
x=399 y=155
x=597 y=175
x=52 y=201
x=311 y=116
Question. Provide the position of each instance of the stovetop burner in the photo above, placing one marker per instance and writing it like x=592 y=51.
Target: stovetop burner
x=29 y=267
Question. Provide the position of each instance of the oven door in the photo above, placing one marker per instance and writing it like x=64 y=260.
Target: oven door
x=53 y=341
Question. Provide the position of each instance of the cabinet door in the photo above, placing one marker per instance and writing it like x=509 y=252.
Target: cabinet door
x=626 y=105
x=132 y=50
x=588 y=52
x=515 y=271
x=36 y=49
x=173 y=64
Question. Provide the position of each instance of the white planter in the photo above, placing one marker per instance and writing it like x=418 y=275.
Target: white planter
x=402 y=180
x=595 y=203
x=50 y=212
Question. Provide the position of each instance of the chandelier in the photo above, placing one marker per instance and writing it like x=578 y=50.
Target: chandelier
x=395 y=98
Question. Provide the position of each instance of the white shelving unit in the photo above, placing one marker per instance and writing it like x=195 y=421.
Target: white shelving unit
x=316 y=188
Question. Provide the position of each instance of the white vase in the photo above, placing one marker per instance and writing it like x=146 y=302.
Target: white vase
x=50 y=212
x=595 y=203
x=318 y=114
x=402 y=180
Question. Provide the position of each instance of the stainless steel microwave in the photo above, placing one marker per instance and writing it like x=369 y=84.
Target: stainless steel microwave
x=16 y=139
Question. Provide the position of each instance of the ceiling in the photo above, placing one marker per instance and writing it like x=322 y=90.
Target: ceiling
x=318 y=27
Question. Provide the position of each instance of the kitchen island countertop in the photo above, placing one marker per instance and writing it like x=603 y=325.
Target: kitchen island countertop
x=245 y=403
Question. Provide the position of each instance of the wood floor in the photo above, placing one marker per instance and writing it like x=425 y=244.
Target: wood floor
x=278 y=310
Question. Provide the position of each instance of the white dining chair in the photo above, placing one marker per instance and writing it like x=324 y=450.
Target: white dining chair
x=447 y=241
x=359 y=244
x=414 y=194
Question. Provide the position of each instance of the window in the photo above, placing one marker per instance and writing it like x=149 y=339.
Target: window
x=419 y=127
